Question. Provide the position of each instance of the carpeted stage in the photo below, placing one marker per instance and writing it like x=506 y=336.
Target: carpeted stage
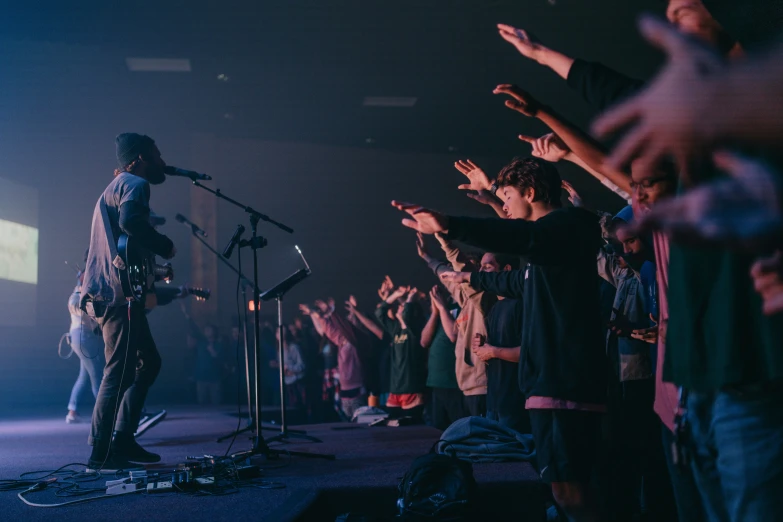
x=362 y=479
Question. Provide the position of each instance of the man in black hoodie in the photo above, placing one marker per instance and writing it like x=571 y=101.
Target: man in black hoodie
x=562 y=363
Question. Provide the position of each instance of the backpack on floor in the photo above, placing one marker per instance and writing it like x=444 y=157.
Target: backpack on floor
x=437 y=487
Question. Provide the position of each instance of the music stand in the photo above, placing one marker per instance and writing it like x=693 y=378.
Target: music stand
x=259 y=445
x=277 y=292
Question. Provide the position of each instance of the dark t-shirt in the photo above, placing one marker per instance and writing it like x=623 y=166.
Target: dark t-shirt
x=504 y=396
x=442 y=362
x=408 y=358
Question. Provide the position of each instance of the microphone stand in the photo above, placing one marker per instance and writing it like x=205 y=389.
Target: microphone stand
x=246 y=283
x=259 y=445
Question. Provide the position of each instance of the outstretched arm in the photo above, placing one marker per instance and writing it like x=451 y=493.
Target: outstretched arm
x=318 y=321
x=367 y=322
x=550 y=147
x=531 y=48
x=509 y=284
x=577 y=141
x=598 y=84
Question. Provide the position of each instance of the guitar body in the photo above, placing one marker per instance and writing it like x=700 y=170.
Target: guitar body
x=139 y=273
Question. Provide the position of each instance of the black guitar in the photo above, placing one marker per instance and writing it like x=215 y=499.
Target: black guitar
x=140 y=270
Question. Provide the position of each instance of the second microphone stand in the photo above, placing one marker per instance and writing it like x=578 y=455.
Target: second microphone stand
x=259 y=445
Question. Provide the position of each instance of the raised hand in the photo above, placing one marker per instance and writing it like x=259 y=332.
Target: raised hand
x=424 y=220
x=667 y=117
x=436 y=298
x=386 y=287
x=352 y=301
x=521 y=101
x=573 y=195
x=477 y=177
x=412 y=294
x=484 y=197
x=767 y=274
x=305 y=309
x=455 y=277
x=421 y=247
x=743 y=211
x=397 y=294
x=520 y=39
x=548 y=147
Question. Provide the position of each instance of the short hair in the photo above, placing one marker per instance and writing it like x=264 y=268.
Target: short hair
x=535 y=173
x=507 y=259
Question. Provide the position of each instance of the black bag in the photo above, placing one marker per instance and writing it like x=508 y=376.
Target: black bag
x=437 y=487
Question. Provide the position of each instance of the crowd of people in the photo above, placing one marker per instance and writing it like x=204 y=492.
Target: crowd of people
x=642 y=349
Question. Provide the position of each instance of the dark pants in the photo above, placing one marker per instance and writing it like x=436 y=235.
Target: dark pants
x=132 y=364
x=447 y=407
x=475 y=405
x=635 y=472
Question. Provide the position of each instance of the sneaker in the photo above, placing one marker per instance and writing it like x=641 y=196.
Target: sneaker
x=113 y=464
x=72 y=418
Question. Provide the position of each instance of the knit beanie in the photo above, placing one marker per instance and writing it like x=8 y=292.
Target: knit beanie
x=130 y=145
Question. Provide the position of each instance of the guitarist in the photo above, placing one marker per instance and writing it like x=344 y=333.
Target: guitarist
x=132 y=359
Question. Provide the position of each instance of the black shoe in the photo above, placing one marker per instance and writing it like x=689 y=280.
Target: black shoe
x=125 y=444
x=112 y=464
x=135 y=453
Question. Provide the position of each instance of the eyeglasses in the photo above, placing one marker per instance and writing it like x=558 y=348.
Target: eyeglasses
x=650 y=182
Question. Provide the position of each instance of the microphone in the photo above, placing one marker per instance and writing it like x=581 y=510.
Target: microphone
x=234 y=240
x=195 y=228
x=174 y=171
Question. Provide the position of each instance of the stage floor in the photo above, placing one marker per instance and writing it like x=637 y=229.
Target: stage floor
x=362 y=479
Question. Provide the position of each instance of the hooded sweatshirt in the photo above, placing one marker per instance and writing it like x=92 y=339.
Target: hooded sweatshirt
x=472 y=319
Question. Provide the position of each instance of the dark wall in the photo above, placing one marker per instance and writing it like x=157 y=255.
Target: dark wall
x=335 y=198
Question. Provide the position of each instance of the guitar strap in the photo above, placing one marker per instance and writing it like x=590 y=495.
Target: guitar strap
x=116 y=259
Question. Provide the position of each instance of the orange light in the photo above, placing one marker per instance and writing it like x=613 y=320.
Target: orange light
x=251 y=305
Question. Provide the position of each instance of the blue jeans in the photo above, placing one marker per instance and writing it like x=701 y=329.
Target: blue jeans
x=88 y=347
x=737 y=456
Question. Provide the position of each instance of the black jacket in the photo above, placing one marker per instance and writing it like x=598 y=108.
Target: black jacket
x=562 y=354
x=600 y=85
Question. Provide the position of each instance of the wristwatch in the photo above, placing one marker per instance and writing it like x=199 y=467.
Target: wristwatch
x=494 y=188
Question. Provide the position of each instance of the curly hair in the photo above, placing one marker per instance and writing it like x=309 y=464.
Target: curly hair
x=535 y=173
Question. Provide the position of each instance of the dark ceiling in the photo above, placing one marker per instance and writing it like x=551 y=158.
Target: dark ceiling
x=299 y=70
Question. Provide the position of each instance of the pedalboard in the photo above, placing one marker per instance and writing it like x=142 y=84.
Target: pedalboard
x=160 y=487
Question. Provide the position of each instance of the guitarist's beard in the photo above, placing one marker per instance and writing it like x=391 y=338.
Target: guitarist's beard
x=155 y=175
